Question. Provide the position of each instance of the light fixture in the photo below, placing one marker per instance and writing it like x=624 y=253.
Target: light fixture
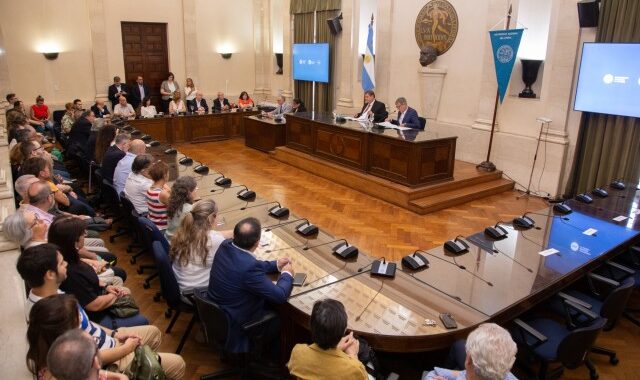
x=279 y=63
x=225 y=55
x=51 y=55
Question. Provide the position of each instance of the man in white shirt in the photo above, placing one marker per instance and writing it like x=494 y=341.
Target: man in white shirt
x=123 y=168
x=137 y=183
x=282 y=107
x=123 y=108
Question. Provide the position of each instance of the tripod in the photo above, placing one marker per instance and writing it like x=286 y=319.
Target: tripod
x=543 y=121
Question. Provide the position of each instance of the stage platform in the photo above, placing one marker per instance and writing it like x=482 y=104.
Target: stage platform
x=468 y=183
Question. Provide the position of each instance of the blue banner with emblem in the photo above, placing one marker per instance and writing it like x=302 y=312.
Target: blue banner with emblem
x=505 y=45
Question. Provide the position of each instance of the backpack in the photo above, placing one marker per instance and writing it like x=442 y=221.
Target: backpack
x=145 y=365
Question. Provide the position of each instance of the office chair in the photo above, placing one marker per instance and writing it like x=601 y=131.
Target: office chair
x=550 y=341
x=171 y=293
x=423 y=122
x=109 y=194
x=151 y=233
x=216 y=324
x=131 y=220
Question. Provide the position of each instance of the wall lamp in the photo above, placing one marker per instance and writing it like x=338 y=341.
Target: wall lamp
x=225 y=55
x=51 y=55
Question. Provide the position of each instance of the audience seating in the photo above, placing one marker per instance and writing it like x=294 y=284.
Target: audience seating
x=150 y=234
x=131 y=220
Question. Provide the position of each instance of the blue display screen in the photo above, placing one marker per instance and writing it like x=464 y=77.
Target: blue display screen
x=609 y=79
x=311 y=62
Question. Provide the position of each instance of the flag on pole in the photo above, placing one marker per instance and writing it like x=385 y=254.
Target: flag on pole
x=368 y=67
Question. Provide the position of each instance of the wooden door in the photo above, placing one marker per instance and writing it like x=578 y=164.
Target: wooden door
x=144 y=46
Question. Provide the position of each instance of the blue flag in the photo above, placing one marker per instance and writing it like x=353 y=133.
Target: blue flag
x=505 y=45
x=368 y=66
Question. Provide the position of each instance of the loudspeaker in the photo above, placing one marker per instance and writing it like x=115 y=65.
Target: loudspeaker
x=588 y=13
x=334 y=24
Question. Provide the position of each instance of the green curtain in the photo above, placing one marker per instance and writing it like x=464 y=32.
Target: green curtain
x=608 y=146
x=309 y=6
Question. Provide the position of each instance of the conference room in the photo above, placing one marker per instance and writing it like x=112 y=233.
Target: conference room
x=433 y=189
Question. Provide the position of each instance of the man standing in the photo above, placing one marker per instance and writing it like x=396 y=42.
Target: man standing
x=114 y=154
x=240 y=285
x=282 y=107
x=139 y=91
x=372 y=107
x=123 y=168
x=407 y=116
x=116 y=90
x=221 y=103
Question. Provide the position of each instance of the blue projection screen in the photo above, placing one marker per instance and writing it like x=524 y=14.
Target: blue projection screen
x=609 y=79
x=311 y=62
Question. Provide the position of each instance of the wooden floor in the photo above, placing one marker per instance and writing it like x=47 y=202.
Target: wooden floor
x=377 y=227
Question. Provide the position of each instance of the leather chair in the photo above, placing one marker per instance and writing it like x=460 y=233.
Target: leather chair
x=150 y=234
x=216 y=326
x=423 y=122
x=109 y=195
x=550 y=341
x=171 y=293
x=131 y=220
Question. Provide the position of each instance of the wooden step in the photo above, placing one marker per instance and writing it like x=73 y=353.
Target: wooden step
x=458 y=196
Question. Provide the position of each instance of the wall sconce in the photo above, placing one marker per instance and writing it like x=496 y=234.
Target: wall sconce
x=279 y=63
x=51 y=55
x=225 y=55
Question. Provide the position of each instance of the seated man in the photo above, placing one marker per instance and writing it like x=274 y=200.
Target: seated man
x=123 y=108
x=282 y=108
x=488 y=354
x=114 y=154
x=123 y=168
x=333 y=355
x=138 y=182
x=407 y=116
x=221 y=103
x=372 y=108
x=75 y=356
x=199 y=104
x=80 y=132
x=240 y=286
x=99 y=109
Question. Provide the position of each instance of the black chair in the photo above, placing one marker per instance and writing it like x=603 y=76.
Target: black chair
x=630 y=258
x=215 y=322
x=171 y=293
x=109 y=195
x=550 y=341
x=131 y=220
x=423 y=122
x=151 y=233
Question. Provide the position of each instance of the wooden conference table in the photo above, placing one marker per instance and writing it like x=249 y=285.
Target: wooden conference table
x=409 y=157
x=194 y=128
x=500 y=279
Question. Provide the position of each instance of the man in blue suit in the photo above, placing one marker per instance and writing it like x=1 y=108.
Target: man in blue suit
x=407 y=116
x=240 y=286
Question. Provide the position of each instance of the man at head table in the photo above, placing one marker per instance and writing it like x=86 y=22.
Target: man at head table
x=372 y=107
x=282 y=107
x=100 y=110
x=221 y=103
x=199 y=104
x=407 y=116
x=123 y=108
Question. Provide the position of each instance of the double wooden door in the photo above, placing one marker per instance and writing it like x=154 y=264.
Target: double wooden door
x=144 y=46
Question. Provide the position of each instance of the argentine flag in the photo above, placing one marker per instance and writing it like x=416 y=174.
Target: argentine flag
x=368 y=67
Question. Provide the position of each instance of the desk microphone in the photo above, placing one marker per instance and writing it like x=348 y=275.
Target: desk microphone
x=373 y=298
x=275 y=226
x=276 y=211
x=548 y=215
x=223 y=181
x=224 y=189
x=170 y=150
x=455 y=263
x=201 y=168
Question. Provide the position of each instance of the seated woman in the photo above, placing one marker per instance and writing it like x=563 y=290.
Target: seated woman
x=180 y=203
x=147 y=110
x=333 y=355
x=68 y=119
x=138 y=182
x=158 y=194
x=177 y=105
x=297 y=106
x=194 y=245
x=94 y=295
x=245 y=101
x=54 y=315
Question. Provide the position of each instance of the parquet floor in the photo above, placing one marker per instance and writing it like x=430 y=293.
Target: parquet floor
x=374 y=226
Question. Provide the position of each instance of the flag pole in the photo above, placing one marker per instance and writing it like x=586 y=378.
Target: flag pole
x=487 y=165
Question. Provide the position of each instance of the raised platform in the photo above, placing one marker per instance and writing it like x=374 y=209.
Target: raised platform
x=468 y=183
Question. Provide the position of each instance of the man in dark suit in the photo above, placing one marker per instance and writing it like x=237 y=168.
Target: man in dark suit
x=407 y=116
x=100 y=109
x=113 y=155
x=79 y=134
x=240 y=286
x=221 y=103
x=139 y=91
x=372 y=107
x=199 y=104
x=116 y=90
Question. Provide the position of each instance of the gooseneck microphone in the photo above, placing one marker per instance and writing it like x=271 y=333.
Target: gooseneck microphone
x=455 y=263
x=275 y=226
x=320 y=245
x=496 y=250
x=370 y=301
x=220 y=191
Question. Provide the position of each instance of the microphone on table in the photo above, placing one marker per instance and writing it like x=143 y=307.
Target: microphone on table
x=455 y=263
x=220 y=191
x=170 y=150
x=372 y=298
x=223 y=181
x=277 y=211
x=275 y=226
x=201 y=168
x=246 y=194
x=343 y=250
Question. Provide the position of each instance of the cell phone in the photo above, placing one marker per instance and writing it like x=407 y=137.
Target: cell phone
x=299 y=278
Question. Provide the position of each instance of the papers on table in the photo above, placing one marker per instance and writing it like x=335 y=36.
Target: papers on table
x=547 y=252
x=387 y=124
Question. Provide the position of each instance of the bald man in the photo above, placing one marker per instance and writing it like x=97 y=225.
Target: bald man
x=123 y=168
x=221 y=103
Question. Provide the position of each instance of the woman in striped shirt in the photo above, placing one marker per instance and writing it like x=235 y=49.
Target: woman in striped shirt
x=158 y=194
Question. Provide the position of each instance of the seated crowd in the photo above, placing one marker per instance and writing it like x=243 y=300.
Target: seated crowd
x=83 y=322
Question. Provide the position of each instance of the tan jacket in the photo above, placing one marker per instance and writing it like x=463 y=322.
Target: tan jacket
x=312 y=362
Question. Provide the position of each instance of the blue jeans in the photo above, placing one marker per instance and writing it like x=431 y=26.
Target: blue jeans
x=113 y=322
